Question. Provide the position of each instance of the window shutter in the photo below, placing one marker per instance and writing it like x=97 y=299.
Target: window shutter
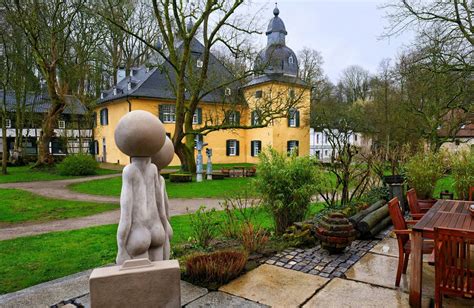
x=199 y=115
x=252 y=118
x=288 y=146
x=237 y=118
x=160 y=113
x=92 y=147
x=289 y=116
x=227 y=147
x=297 y=118
x=237 y=148
x=106 y=116
x=259 y=146
x=297 y=148
x=252 y=148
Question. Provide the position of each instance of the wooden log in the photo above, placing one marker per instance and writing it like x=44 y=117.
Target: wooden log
x=359 y=216
x=372 y=219
x=378 y=228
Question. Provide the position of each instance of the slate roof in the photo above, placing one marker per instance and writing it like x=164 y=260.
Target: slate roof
x=40 y=103
x=278 y=78
x=159 y=82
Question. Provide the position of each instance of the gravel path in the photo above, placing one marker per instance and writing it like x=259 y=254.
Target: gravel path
x=59 y=190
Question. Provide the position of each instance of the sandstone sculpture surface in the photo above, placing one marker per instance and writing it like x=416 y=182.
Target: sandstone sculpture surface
x=144 y=230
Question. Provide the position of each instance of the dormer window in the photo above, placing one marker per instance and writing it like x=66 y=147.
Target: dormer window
x=228 y=91
x=8 y=123
x=61 y=124
x=129 y=86
x=115 y=91
x=258 y=94
x=101 y=95
x=291 y=60
x=199 y=63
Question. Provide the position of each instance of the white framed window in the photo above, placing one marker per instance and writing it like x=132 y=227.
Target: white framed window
x=232 y=147
x=292 y=146
x=61 y=124
x=195 y=118
x=8 y=123
x=228 y=91
x=325 y=153
x=326 y=139
x=355 y=137
x=255 y=147
x=234 y=118
x=317 y=138
x=292 y=117
x=199 y=63
x=291 y=60
x=168 y=113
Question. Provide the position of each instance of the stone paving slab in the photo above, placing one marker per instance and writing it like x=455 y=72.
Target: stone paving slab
x=346 y=293
x=275 y=286
x=387 y=247
x=375 y=269
x=318 y=261
x=48 y=293
x=221 y=299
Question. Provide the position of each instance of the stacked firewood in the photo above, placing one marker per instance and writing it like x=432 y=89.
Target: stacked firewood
x=372 y=220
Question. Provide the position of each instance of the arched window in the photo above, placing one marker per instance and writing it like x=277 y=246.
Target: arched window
x=291 y=60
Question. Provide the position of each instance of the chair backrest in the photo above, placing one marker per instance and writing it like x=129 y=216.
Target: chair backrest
x=397 y=220
x=471 y=193
x=413 y=201
x=454 y=269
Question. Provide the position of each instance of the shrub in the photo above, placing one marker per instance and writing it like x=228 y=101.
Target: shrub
x=181 y=177
x=462 y=171
x=203 y=226
x=286 y=185
x=79 y=164
x=253 y=238
x=423 y=170
x=217 y=267
x=239 y=209
x=375 y=194
x=300 y=235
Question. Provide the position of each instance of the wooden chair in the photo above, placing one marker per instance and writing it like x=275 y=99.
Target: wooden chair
x=471 y=193
x=403 y=237
x=415 y=211
x=454 y=269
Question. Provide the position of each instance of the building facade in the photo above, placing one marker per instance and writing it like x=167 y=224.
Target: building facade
x=276 y=83
x=321 y=147
x=72 y=133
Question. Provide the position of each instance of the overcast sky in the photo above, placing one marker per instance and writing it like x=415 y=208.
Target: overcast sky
x=346 y=32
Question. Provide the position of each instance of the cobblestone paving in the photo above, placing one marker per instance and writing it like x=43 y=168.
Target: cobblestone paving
x=318 y=261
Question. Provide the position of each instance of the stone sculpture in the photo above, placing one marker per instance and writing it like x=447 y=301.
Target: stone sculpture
x=144 y=230
x=162 y=159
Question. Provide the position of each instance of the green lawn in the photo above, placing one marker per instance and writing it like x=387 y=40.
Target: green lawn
x=31 y=260
x=26 y=174
x=205 y=189
x=18 y=206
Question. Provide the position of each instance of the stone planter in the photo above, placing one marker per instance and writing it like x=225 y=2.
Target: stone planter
x=335 y=232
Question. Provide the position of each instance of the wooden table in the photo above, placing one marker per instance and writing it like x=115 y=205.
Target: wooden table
x=452 y=214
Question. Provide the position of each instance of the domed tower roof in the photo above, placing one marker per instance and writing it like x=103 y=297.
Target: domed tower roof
x=276 y=58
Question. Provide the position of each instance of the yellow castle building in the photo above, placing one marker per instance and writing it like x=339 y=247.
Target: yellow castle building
x=275 y=86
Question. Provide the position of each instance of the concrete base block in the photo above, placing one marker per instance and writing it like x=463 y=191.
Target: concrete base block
x=137 y=283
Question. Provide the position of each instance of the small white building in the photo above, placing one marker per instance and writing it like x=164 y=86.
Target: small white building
x=322 y=148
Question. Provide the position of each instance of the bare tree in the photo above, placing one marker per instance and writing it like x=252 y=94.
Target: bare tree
x=48 y=27
x=354 y=84
x=453 y=21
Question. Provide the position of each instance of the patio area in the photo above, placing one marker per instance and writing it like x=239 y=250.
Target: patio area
x=368 y=282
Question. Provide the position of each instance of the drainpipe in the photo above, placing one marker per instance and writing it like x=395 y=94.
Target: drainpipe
x=129 y=104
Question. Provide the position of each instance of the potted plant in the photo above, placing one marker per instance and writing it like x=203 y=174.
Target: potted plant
x=462 y=172
x=422 y=171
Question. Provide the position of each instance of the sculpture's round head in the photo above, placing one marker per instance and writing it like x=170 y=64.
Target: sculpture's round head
x=139 y=134
x=164 y=156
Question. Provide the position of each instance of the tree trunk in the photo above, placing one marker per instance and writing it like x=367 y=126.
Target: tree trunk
x=5 y=146
x=47 y=128
x=186 y=156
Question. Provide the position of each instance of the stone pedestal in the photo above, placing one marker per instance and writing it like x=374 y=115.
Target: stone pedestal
x=398 y=190
x=137 y=283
